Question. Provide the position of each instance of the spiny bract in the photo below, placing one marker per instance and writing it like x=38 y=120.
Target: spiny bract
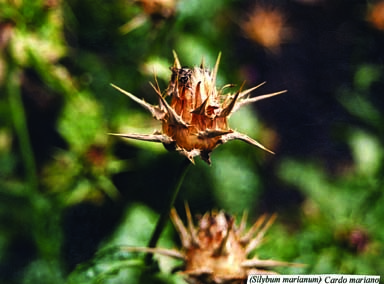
x=194 y=123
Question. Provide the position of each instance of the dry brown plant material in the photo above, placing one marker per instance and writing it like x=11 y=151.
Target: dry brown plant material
x=216 y=250
x=195 y=121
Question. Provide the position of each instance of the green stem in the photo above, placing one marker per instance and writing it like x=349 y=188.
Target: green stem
x=45 y=230
x=165 y=214
x=20 y=124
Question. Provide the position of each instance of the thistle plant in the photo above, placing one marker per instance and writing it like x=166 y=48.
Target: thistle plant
x=195 y=121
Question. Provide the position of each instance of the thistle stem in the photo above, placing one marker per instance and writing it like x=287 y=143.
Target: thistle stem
x=21 y=128
x=165 y=214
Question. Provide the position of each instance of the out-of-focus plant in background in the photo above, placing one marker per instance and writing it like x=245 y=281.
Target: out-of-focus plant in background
x=69 y=192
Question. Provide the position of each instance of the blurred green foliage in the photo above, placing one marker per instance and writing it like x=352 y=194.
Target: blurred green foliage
x=70 y=195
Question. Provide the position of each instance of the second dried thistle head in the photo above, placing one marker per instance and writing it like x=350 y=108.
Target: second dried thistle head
x=216 y=251
x=195 y=121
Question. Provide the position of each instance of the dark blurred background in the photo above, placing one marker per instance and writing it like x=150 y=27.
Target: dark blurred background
x=68 y=189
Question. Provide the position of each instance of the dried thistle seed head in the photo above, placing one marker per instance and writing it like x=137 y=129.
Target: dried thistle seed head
x=195 y=121
x=267 y=26
x=376 y=15
x=216 y=250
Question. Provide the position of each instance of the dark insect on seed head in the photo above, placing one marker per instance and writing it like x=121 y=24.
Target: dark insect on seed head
x=181 y=75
